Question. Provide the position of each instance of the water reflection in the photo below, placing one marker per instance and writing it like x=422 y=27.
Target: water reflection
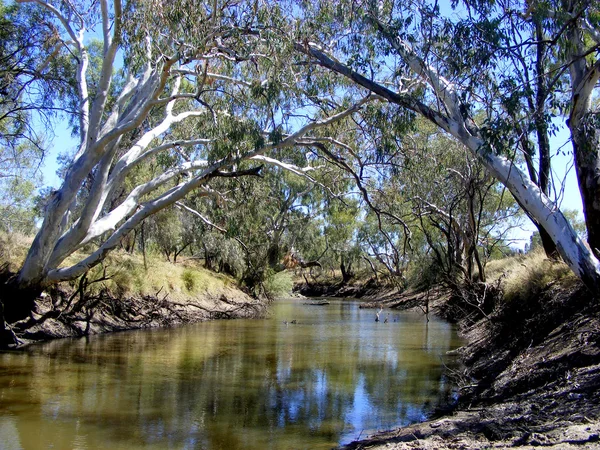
x=238 y=384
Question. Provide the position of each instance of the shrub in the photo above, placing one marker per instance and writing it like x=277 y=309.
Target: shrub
x=189 y=279
x=423 y=273
x=278 y=284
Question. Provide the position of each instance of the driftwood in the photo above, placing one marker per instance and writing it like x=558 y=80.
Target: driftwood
x=317 y=303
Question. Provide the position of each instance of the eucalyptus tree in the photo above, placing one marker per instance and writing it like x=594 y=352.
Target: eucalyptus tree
x=402 y=53
x=426 y=194
x=214 y=69
x=31 y=86
x=382 y=242
x=545 y=61
x=341 y=221
x=523 y=85
x=461 y=210
x=268 y=218
x=576 y=26
x=33 y=80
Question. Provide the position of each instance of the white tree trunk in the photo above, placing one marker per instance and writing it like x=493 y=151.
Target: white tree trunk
x=152 y=102
x=573 y=249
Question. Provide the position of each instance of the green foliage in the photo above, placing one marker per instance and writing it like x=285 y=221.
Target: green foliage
x=17 y=212
x=423 y=272
x=166 y=232
x=30 y=85
x=189 y=280
x=278 y=284
x=576 y=221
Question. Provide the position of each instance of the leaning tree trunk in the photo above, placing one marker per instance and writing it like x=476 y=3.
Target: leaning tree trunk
x=584 y=124
x=451 y=119
x=547 y=242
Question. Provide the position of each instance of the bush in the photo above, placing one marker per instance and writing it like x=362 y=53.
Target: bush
x=278 y=284
x=423 y=273
x=189 y=279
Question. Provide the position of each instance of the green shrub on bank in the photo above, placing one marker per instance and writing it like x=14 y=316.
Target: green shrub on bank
x=423 y=273
x=278 y=284
x=189 y=280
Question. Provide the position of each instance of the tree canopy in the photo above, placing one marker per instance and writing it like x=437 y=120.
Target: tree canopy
x=383 y=133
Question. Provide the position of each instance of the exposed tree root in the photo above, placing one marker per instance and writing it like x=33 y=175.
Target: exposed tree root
x=78 y=312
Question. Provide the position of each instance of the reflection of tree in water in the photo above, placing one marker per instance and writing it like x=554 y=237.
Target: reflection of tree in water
x=240 y=384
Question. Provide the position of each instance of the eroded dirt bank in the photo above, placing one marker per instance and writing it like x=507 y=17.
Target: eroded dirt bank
x=65 y=313
x=531 y=376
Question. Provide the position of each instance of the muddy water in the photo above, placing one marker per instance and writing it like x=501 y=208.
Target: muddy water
x=333 y=376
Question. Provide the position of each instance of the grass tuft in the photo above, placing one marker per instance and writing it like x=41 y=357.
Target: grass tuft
x=526 y=276
x=189 y=279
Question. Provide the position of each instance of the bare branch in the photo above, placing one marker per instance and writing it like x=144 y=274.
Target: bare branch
x=200 y=216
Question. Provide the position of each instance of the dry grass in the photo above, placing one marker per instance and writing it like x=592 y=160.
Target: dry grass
x=180 y=281
x=127 y=275
x=524 y=276
x=13 y=249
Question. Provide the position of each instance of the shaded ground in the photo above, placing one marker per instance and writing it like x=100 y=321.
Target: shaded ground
x=531 y=377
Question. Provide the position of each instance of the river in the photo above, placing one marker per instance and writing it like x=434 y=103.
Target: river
x=331 y=377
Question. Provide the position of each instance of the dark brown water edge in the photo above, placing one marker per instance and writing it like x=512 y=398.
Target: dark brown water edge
x=531 y=376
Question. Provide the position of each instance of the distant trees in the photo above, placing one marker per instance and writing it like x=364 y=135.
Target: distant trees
x=32 y=83
x=460 y=210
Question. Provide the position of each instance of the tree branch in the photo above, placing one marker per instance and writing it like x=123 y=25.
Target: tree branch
x=202 y=218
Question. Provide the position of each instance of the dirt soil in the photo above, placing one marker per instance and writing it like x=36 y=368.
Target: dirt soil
x=531 y=376
x=64 y=313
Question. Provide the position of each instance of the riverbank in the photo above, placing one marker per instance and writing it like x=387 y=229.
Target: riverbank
x=531 y=374
x=129 y=293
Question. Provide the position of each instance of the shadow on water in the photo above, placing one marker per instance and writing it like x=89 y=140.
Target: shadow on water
x=332 y=376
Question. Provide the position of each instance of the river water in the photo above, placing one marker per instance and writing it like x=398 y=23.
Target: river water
x=331 y=377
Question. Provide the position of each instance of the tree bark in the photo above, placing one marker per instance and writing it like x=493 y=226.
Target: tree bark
x=143 y=239
x=346 y=269
x=547 y=242
x=587 y=163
